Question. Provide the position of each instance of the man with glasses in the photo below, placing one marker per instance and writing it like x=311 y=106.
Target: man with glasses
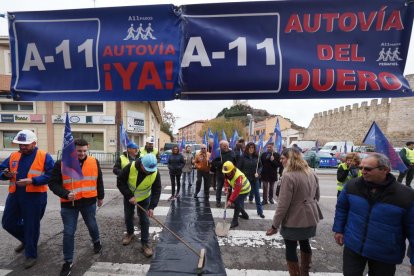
x=203 y=167
x=373 y=218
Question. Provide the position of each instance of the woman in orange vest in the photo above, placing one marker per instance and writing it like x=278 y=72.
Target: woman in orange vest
x=28 y=170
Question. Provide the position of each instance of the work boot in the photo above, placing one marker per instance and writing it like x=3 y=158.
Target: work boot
x=293 y=268
x=261 y=215
x=19 y=248
x=147 y=250
x=29 y=262
x=66 y=269
x=97 y=247
x=271 y=201
x=305 y=263
x=234 y=224
x=264 y=202
x=128 y=238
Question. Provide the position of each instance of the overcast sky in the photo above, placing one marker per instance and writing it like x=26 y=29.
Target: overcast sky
x=299 y=111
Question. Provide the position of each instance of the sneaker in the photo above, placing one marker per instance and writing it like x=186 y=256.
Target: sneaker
x=261 y=215
x=66 y=269
x=245 y=216
x=19 y=248
x=97 y=247
x=264 y=202
x=29 y=262
x=128 y=238
x=195 y=196
x=218 y=204
x=271 y=201
x=147 y=250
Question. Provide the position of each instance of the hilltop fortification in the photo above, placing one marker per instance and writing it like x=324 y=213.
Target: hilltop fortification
x=394 y=117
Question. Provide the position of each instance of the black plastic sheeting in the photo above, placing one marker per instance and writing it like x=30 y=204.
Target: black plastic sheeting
x=190 y=219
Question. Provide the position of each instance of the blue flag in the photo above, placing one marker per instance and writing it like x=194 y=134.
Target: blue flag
x=260 y=144
x=215 y=151
x=270 y=141
x=223 y=135
x=123 y=136
x=70 y=162
x=210 y=134
x=205 y=140
x=182 y=144
x=376 y=138
x=278 y=137
x=234 y=139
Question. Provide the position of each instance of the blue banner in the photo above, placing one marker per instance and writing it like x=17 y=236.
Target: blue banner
x=107 y=54
x=247 y=50
x=296 y=49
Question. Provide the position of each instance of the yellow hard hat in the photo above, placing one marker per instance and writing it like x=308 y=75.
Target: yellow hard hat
x=227 y=167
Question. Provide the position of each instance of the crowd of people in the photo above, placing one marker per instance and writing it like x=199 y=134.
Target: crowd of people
x=374 y=213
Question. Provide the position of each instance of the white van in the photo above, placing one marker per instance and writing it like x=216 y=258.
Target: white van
x=334 y=147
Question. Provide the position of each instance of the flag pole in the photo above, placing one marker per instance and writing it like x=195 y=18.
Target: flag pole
x=73 y=200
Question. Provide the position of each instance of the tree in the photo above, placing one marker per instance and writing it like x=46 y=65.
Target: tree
x=228 y=125
x=168 y=123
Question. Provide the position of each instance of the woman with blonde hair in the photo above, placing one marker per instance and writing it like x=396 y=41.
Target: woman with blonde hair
x=347 y=170
x=297 y=210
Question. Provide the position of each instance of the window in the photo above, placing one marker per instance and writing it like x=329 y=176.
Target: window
x=8 y=137
x=86 y=107
x=7 y=62
x=16 y=106
x=95 y=140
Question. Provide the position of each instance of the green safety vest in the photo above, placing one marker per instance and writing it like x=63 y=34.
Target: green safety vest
x=340 y=185
x=246 y=184
x=143 y=191
x=409 y=154
x=143 y=152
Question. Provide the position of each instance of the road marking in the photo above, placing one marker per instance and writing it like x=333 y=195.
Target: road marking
x=218 y=213
x=106 y=268
x=244 y=238
x=4 y=272
x=1 y=210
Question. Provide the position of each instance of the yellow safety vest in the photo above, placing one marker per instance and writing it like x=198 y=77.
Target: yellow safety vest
x=410 y=155
x=246 y=184
x=124 y=161
x=143 y=191
x=340 y=185
x=143 y=151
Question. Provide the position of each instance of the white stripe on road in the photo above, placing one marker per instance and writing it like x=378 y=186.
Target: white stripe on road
x=4 y=272
x=218 y=213
x=104 y=268
x=169 y=188
x=1 y=210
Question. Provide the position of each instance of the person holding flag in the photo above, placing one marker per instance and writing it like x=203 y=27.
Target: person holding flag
x=77 y=180
x=28 y=171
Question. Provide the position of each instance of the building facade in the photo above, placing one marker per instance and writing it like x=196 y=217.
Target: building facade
x=191 y=132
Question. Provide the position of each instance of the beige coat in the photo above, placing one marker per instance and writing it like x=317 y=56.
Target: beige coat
x=297 y=203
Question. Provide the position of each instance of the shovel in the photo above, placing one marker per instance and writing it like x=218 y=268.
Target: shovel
x=222 y=228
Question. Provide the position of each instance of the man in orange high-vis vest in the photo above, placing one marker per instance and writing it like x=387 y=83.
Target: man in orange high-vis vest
x=78 y=196
x=29 y=171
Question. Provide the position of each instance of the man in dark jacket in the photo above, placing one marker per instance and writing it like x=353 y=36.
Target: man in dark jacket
x=374 y=216
x=145 y=191
x=407 y=155
x=217 y=165
x=270 y=162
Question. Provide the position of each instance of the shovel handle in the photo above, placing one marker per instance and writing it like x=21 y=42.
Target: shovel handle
x=225 y=212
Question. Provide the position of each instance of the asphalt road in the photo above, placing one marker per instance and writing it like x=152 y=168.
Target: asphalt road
x=246 y=247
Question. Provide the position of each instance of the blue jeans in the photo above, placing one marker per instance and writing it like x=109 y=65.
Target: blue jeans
x=144 y=220
x=254 y=183
x=70 y=222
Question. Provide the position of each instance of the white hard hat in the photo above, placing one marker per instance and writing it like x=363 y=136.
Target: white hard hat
x=25 y=137
x=150 y=140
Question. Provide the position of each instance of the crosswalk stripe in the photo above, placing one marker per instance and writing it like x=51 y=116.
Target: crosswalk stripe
x=106 y=268
x=1 y=210
x=4 y=272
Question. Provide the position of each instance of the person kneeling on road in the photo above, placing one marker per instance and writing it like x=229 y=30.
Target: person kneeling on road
x=241 y=188
x=140 y=184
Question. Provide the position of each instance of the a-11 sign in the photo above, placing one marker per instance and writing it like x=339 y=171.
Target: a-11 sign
x=248 y=50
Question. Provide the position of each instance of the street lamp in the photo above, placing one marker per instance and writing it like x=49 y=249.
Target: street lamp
x=251 y=125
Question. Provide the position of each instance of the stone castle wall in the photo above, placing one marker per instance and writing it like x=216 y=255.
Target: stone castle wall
x=394 y=117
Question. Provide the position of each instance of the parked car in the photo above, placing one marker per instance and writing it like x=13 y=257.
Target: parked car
x=305 y=145
x=165 y=156
x=326 y=160
x=339 y=146
x=311 y=158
